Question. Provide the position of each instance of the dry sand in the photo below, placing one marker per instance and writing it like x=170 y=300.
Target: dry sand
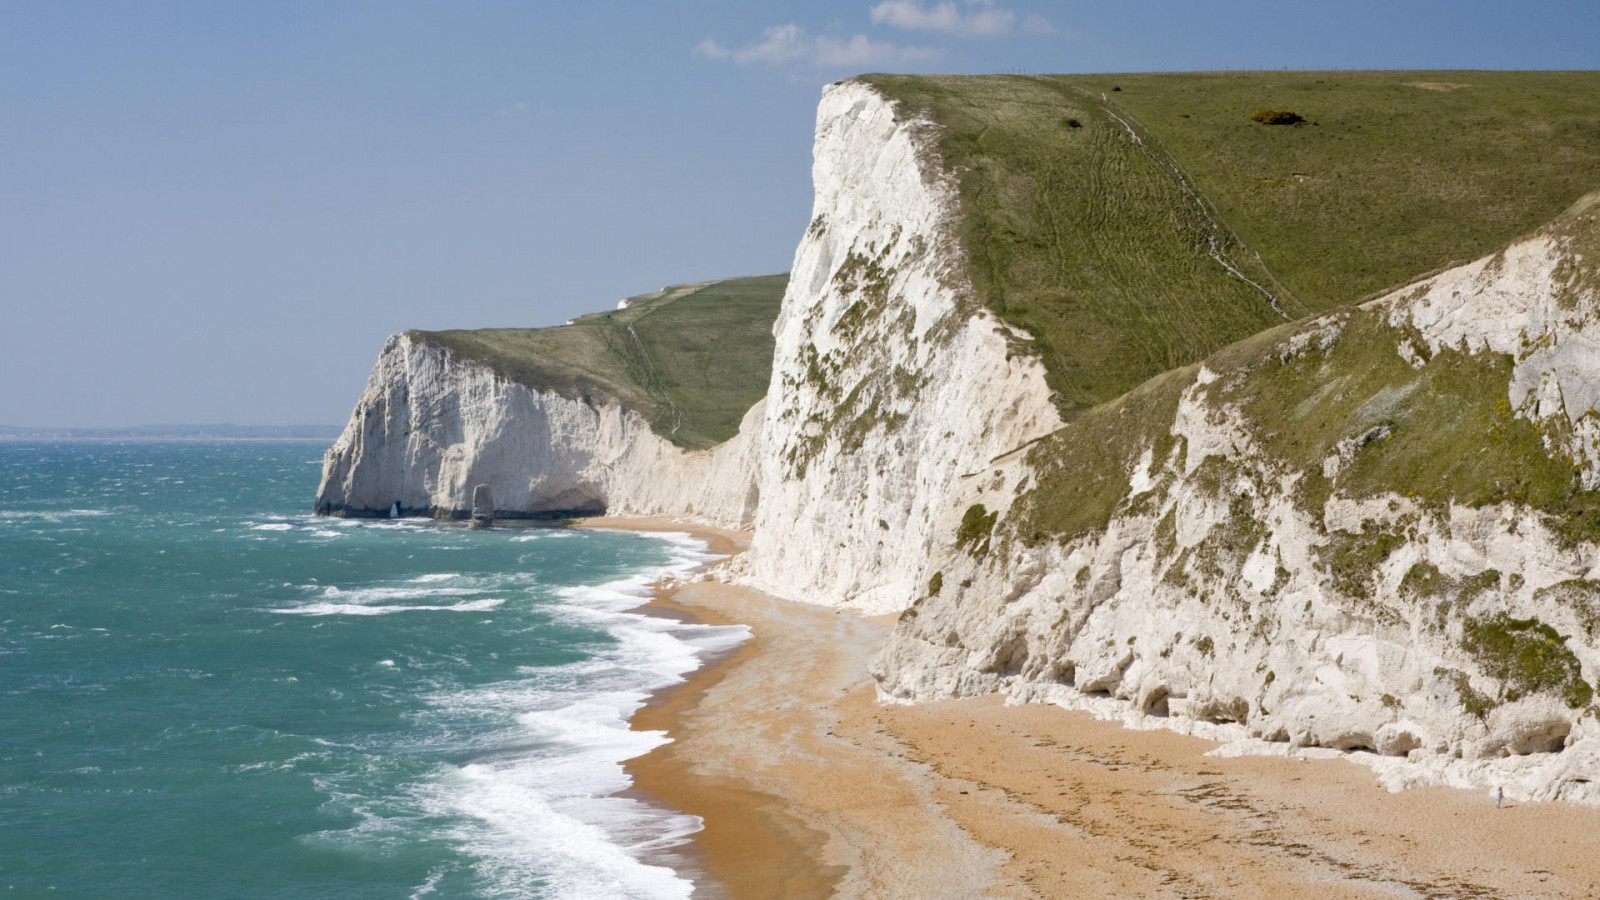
x=810 y=788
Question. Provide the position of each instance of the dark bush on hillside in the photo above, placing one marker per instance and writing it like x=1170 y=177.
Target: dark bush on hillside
x=1278 y=117
x=1074 y=123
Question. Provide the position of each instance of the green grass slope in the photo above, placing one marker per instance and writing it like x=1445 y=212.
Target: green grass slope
x=692 y=359
x=1091 y=241
x=1136 y=223
x=1440 y=432
x=1392 y=175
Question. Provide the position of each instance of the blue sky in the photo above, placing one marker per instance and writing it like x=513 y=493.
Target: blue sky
x=216 y=211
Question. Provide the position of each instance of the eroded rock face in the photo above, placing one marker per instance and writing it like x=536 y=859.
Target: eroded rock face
x=893 y=448
x=431 y=427
x=1219 y=600
x=892 y=385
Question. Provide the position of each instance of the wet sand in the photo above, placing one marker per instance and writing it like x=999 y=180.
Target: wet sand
x=810 y=788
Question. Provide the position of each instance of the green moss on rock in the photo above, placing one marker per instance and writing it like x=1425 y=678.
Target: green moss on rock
x=977 y=523
x=1083 y=472
x=1352 y=559
x=1527 y=657
x=1473 y=702
x=1441 y=433
x=1423 y=580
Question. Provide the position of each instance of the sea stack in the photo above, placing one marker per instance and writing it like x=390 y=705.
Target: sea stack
x=482 y=506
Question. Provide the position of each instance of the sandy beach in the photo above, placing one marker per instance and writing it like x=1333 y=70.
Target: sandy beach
x=810 y=788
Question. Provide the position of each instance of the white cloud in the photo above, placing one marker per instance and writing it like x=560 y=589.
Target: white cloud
x=909 y=14
x=791 y=45
x=1039 y=25
x=982 y=18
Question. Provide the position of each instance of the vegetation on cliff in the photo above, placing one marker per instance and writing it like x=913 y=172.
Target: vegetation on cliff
x=1132 y=233
x=692 y=359
x=1435 y=427
x=1136 y=230
x=1079 y=230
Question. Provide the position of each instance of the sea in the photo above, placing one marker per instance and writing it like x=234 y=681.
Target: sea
x=205 y=691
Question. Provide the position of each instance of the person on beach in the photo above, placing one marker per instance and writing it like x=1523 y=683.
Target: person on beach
x=1499 y=796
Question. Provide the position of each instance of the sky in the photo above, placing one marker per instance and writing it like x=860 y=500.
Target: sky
x=217 y=211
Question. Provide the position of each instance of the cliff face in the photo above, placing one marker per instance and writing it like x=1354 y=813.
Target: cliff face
x=431 y=426
x=1399 y=557
x=1375 y=530
x=893 y=386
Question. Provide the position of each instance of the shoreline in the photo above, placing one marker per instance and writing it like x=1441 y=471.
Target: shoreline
x=808 y=787
x=774 y=748
x=747 y=846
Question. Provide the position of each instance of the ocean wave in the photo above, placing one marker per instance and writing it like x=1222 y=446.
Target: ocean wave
x=535 y=802
x=51 y=515
x=538 y=805
x=413 y=594
x=361 y=595
x=555 y=800
x=427 y=887
x=358 y=609
x=545 y=533
x=579 y=847
x=435 y=577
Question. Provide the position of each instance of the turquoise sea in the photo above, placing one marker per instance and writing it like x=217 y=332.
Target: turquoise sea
x=207 y=692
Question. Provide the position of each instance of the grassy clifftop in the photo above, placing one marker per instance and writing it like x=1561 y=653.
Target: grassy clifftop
x=1136 y=223
x=1393 y=173
x=692 y=359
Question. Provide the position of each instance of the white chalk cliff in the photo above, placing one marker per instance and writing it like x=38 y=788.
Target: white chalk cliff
x=894 y=385
x=1212 y=600
x=431 y=426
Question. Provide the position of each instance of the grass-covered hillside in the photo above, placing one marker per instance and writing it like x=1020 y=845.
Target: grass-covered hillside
x=691 y=358
x=1133 y=224
x=1438 y=429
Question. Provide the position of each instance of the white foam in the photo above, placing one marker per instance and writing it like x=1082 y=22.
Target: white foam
x=552 y=534
x=380 y=600
x=427 y=887
x=272 y=526
x=554 y=810
x=537 y=805
x=53 y=515
x=532 y=836
x=358 y=609
x=393 y=524
x=367 y=594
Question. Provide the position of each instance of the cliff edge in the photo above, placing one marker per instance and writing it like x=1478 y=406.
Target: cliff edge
x=1127 y=400
x=650 y=409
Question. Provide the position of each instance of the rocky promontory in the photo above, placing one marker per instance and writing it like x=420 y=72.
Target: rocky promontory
x=1112 y=425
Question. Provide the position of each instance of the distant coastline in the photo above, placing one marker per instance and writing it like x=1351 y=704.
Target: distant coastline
x=222 y=432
